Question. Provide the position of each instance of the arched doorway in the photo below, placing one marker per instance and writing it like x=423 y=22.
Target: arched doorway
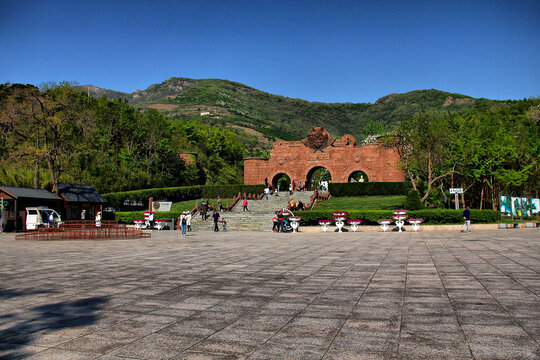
x=358 y=176
x=281 y=181
x=317 y=176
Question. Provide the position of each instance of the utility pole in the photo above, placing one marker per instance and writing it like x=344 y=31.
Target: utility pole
x=2 y=216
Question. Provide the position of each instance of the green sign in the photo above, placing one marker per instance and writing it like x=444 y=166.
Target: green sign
x=6 y=204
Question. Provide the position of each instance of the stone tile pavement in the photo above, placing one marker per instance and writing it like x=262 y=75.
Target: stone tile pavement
x=246 y=295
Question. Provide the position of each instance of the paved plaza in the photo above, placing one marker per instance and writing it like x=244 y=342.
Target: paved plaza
x=247 y=295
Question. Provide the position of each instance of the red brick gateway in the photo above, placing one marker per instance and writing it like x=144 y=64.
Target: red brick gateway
x=341 y=157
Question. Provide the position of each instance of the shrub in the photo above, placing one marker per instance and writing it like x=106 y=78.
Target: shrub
x=431 y=216
x=368 y=188
x=127 y=217
x=182 y=193
x=413 y=201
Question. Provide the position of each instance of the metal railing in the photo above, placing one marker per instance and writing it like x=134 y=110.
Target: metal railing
x=84 y=230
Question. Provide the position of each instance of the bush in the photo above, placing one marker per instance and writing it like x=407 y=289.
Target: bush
x=127 y=217
x=182 y=193
x=431 y=216
x=368 y=188
x=413 y=201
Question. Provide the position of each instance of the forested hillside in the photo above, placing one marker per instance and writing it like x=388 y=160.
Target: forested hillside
x=60 y=134
x=487 y=153
x=226 y=103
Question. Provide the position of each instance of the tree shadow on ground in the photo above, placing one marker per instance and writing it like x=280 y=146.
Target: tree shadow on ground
x=20 y=329
x=7 y=293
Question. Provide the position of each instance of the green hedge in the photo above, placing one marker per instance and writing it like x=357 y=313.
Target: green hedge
x=127 y=217
x=182 y=193
x=368 y=188
x=369 y=217
x=434 y=216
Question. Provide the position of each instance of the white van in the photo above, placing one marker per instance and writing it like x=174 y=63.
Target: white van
x=39 y=216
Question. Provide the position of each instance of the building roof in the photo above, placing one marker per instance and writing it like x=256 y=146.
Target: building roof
x=28 y=193
x=82 y=193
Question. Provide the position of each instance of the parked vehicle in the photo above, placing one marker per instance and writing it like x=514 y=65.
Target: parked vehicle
x=41 y=216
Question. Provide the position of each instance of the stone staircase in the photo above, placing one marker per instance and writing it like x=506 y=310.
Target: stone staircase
x=258 y=218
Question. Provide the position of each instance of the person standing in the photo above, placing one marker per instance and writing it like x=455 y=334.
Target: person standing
x=83 y=218
x=98 y=220
x=245 y=204
x=281 y=218
x=467 y=219
x=215 y=215
x=188 y=220
x=266 y=191
x=219 y=204
x=204 y=209
x=275 y=220
x=151 y=219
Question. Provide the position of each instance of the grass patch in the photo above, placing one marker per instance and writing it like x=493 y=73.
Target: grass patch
x=190 y=204
x=363 y=203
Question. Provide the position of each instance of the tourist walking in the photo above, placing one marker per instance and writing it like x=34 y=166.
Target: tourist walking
x=183 y=222
x=266 y=191
x=224 y=223
x=245 y=204
x=467 y=219
x=215 y=215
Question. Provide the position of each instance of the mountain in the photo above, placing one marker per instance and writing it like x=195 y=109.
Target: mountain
x=97 y=92
x=274 y=117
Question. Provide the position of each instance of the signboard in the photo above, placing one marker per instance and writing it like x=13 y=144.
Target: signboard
x=456 y=191
x=161 y=205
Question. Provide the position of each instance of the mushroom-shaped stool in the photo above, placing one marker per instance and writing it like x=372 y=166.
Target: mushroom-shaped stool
x=415 y=223
x=324 y=224
x=400 y=216
x=160 y=224
x=384 y=223
x=139 y=224
x=339 y=219
x=354 y=223
x=294 y=222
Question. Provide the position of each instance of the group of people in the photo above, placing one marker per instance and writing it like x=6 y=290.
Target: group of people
x=184 y=221
x=281 y=224
x=294 y=206
x=205 y=207
x=98 y=218
x=269 y=190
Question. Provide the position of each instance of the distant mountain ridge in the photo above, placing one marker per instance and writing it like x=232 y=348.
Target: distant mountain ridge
x=228 y=103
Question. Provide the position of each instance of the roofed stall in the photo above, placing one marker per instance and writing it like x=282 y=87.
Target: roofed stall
x=17 y=199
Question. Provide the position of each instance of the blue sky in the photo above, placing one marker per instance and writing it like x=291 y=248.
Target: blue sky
x=330 y=51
